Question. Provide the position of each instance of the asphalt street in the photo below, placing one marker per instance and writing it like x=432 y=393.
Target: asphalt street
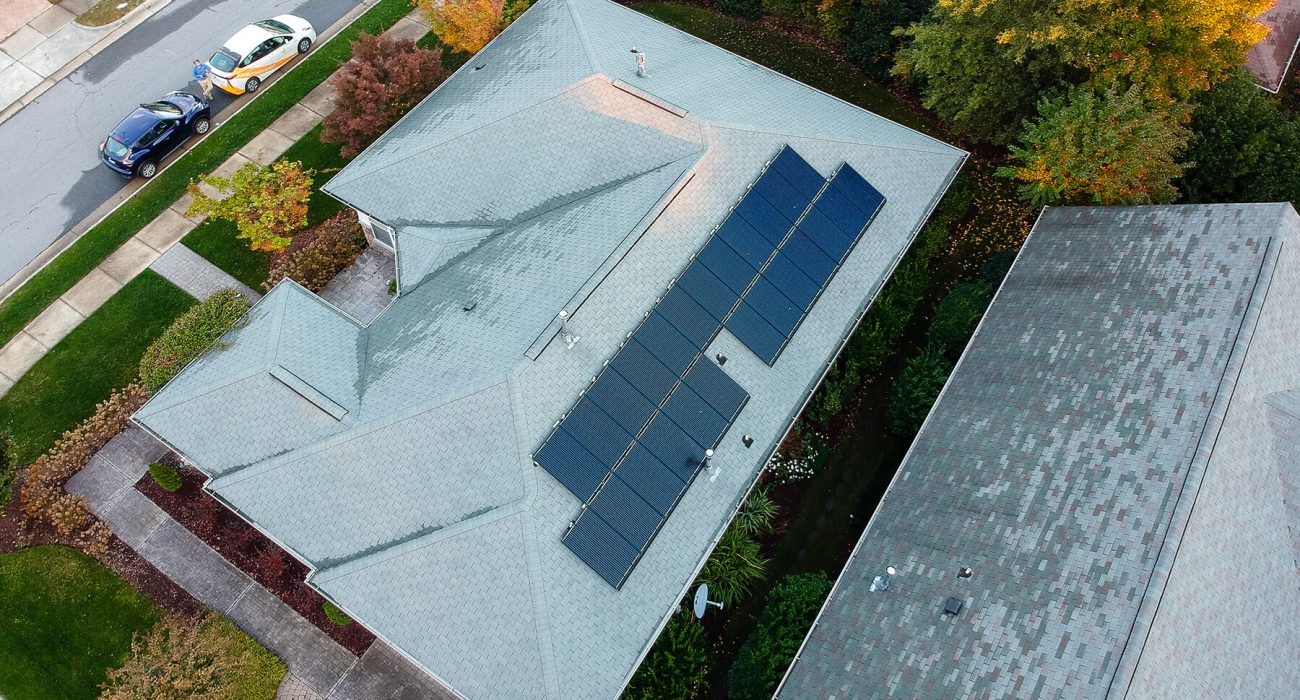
x=52 y=177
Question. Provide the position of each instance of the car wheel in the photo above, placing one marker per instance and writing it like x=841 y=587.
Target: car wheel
x=147 y=169
x=201 y=125
x=303 y=45
x=252 y=85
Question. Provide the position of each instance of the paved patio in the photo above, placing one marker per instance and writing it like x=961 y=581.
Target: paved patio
x=361 y=290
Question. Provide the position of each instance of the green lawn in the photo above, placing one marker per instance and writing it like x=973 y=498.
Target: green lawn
x=101 y=354
x=105 y=237
x=806 y=63
x=66 y=620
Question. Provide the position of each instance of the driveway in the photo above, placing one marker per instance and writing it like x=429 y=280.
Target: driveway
x=51 y=178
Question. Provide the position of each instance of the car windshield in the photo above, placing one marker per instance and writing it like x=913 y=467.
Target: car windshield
x=116 y=148
x=166 y=110
x=225 y=60
x=273 y=26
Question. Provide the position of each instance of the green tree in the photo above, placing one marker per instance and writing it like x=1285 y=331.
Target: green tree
x=677 y=663
x=749 y=9
x=917 y=388
x=166 y=476
x=956 y=316
x=787 y=615
x=871 y=41
x=733 y=567
x=1245 y=147
x=1108 y=148
x=266 y=204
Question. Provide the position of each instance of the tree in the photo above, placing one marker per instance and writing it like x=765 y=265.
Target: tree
x=871 y=41
x=787 y=615
x=736 y=563
x=1108 y=148
x=512 y=10
x=677 y=663
x=464 y=25
x=1245 y=147
x=748 y=9
x=918 y=387
x=384 y=80
x=266 y=204
x=956 y=316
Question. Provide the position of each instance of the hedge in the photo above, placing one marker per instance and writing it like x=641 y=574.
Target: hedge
x=916 y=391
x=787 y=616
x=956 y=317
x=191 y=335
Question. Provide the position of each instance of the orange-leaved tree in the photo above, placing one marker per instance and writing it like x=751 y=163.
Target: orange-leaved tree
x=464 y=25
x=266 y=204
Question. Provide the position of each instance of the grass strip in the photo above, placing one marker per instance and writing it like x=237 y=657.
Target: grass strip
x=99 y=355
x=101 y=240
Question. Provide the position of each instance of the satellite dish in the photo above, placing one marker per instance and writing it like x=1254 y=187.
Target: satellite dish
x=702 y=601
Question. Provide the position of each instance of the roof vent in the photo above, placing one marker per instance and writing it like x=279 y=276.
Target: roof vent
x=965 y=572
x=881 y=583
x=953 y=607
x=469 y=306
x=479 y=66
x=748 y=440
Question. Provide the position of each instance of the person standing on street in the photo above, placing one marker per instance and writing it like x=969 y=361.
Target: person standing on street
x=202 y=76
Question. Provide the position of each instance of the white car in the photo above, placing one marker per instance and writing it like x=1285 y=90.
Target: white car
x=257 y=51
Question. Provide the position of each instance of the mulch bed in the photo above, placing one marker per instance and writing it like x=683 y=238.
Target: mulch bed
x=250 y=551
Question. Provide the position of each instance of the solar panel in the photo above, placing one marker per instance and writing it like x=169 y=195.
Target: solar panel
x=755 y=332
x=859 y=191
x=713 y=385
x=820 y=228
x=601 y=547
x=745 y=240
x=624 y=511
x=672 y=446
x=765 y=219
x=808 y=257
x=797 y=172
x=688 y=317
x=600 y=434
x=707 y=291
x=657 y=485
x=837 y=207
x=784 y=198
x=640 y=368
x=774 y=307
x=792 y=282
x=621 y=401
x=695 y=417
x=571 y=464
x=667 y=344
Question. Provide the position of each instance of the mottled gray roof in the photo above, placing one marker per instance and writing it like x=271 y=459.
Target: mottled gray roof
x=1270 y=59
x=1109 y=393
x=396 y=458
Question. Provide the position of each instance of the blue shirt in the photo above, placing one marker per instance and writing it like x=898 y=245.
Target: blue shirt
x=200 y=72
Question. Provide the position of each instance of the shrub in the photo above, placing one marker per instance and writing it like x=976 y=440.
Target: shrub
x=733 y=567
x=677 y=664
x=384 y=80
x=871 y=41
x=274 y=564
x=266 y=204
x=956 y=316
x=8 y=468
x=191 y=335
x=68 y=514
x=166 y=477
x=207 y=513
x=335 y=615
x=787 y=615
x=319 y=253
x=757 y=513
x=917 y=388
x=997 y=267
x=749 y=9
x=464 y=25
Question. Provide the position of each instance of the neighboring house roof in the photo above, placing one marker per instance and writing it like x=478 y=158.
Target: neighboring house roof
x=396 y=458
x=1114 y=458
x=1270 y=59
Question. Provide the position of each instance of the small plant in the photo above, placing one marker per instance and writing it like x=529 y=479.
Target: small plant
x=392 y=288
x=798 y=456
x=757 y=513
x=335 y=615
x=274 y=564
x=733 y=568
x=166 y=476
x=208 y=513
x=267 y=204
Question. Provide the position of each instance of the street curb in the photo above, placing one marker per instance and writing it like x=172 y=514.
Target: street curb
x=116 y=30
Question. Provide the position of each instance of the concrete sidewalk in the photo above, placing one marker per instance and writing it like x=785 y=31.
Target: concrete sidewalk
x=49 y=45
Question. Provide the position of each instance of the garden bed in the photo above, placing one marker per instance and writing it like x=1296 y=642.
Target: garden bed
x=250 y=551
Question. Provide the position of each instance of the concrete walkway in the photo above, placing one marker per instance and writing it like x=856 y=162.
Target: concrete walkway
x=48 y=45
x=195 y=275
x=145 y=248
x=319 y=666
x=361 y=289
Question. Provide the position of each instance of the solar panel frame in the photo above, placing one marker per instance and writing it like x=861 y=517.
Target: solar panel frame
x=797 y=171
x=572 y=464
x=601 y=548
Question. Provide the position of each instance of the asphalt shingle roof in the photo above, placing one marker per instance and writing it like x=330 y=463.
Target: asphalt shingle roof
x=1113 y=388
x=396 y=459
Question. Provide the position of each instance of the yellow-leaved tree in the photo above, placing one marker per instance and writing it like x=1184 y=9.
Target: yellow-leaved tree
x=464 y=25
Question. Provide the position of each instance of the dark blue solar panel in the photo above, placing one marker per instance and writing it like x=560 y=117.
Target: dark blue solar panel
x=672 y=446
x=783 y=197
x=797 y=172
x=858 y=190
x=707 y=291
x=601 y=547
x=666 y=343
x=600 y=434
x=715 y=386
x=622 y=509
x=727 y=265
x=835 y=246
x=643 y=371
x=656 y=484
x=746 y=241
x=687 y=316
x=843 y=212
x=809 y=257
x=571 y=464
x=774 y=306
x=755 y=332
x=820 y=228
x=695 y=416
x=770 y=224
x=621 y=401
x=793 y=283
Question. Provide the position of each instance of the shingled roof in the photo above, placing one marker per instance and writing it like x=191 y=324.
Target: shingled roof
x=396 y=458
x=1114 y=457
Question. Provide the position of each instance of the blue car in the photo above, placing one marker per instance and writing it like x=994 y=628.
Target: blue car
x=154 y=129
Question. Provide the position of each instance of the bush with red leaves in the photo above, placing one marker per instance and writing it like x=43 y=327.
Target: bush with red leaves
x=318 y=254
x=384 y=80
x=274 y=564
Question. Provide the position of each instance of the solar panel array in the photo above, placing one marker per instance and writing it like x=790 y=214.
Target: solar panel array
x=637 y=437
